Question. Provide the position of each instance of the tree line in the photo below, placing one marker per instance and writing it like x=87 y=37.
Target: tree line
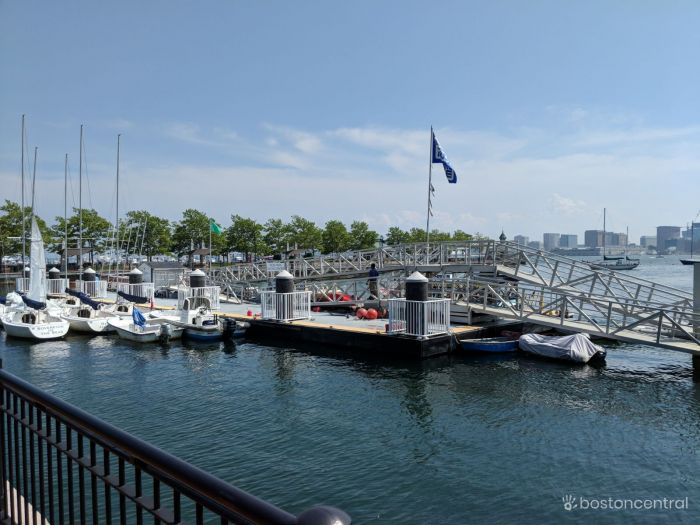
x=143 y=233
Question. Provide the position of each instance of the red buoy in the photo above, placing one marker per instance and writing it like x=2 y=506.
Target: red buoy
x=361 y=313
x=371 y=314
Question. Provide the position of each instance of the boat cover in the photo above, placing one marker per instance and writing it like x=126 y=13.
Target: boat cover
x=2 y=299
x=37 y=305
x=133 y=298
x=85 y=299
x=577 y=348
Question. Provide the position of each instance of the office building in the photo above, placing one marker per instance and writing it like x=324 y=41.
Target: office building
x=551 y=240
x=645 y=241
x=568 y=240
x=593 y=238
x=666 y=237
x=521 y=239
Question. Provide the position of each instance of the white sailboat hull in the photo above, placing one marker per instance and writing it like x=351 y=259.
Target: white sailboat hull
x=53 y=329
x=89 y=326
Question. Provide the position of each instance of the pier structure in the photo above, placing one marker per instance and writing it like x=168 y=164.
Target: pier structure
x=498 y=279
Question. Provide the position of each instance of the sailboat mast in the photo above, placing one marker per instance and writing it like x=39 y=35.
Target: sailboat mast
x=34 y=178
x=603 y=232
x=65 y=218
x=80 y=209
x=116 y=225
x=24 y=225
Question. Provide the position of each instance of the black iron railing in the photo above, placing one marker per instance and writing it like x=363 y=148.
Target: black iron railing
x=61 y=465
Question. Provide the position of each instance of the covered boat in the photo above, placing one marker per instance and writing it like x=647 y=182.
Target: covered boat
x=576 y=348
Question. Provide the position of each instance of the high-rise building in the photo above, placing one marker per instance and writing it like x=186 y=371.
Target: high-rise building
x=521 y=239
x=647 y=240
x=618 y=239
x=551 y=240
x=593 y=238
x=568 y=240
x=537 y=245
x=665 y=236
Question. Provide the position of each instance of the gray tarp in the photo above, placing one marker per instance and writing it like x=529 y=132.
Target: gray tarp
x=577 y=348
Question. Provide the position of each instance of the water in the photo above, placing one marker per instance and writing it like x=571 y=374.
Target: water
x=447 y=440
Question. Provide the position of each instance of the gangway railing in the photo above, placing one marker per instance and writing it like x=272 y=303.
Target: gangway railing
x=498 y=257
x=655 y=324
x=61 y=464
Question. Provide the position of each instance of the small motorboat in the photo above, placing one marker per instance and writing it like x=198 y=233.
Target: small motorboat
x=576 y=348
x=197 y=319
x=141 y=330
x=490 y=344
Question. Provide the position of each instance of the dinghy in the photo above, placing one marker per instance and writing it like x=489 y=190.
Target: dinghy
x=490 y=345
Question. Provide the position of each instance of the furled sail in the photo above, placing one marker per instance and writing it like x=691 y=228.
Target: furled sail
x=37 y=277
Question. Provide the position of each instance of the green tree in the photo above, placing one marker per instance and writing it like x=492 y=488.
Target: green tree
x=277 y=235
x=335 y=237
x=436 y=236
x=396 y=235
x=361 y=237
x=416 y=235
x=97 y=231
x=154 y=234
x=11 y=228
x=192 y=231
x=245 y=235
x=219 y=243
x=304 y=233
x=460 y=235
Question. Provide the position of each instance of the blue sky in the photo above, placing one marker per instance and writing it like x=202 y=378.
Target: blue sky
x=548 y=111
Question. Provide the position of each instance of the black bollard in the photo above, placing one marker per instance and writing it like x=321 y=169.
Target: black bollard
x=27 y=271
x=89 y=275
x=284 y=284
x=54 y=273
x=135 y=276
x=416 y=290
x=197 y=279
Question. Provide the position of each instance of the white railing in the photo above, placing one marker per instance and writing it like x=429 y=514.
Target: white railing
x=140 y=289
x=286 y=306
x=209 y=292
x=93 y=288
x=56 y=286
x=22 y=284
x=419 y=318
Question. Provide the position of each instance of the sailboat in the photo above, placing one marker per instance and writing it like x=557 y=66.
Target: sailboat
x=38 y=319
x=88 y=317
x=614 y=262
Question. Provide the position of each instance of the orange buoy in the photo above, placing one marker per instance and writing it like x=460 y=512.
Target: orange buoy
x=361 y=313
x=371 y=314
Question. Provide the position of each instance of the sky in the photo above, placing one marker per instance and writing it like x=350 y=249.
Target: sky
x=549 y=111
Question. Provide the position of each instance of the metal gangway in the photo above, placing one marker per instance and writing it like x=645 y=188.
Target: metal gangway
x=497 y=278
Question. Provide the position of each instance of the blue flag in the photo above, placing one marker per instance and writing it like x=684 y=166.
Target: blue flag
x=438 y=157
x=137 y=316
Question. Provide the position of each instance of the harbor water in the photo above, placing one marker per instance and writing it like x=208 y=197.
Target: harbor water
x=453 y=439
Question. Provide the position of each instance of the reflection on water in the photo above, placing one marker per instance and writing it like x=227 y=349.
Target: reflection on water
x=451 y=439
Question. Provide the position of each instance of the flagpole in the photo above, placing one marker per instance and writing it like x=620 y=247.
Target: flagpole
x=210 y=221
x=430 y=185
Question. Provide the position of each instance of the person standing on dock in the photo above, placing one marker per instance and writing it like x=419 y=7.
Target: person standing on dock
x=373 y=283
